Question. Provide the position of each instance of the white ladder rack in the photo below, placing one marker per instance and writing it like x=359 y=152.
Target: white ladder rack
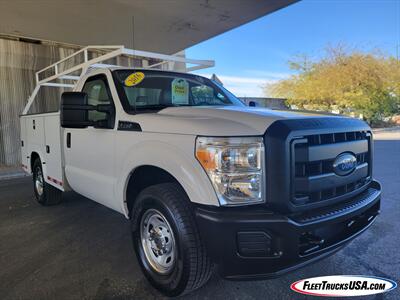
x=113 y=51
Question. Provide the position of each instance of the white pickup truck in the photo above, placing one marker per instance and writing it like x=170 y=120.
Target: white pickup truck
x=206 y=182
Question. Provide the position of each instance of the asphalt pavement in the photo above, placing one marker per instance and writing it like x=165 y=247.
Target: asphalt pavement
x=82 y=250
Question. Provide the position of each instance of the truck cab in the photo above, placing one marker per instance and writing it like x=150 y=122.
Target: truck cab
x=207 y=183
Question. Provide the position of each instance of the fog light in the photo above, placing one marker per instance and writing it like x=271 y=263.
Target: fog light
x=254 y=244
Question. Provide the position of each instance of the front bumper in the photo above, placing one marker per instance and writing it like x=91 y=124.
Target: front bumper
x=253 y=243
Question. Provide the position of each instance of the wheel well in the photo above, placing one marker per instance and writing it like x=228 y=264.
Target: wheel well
x=34 y=156
x=143 y=177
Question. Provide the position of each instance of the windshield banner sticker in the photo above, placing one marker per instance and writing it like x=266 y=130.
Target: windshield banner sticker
x=134 y=79
x=180 y=91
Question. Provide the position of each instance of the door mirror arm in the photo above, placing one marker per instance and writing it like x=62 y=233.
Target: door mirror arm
x=105 y=108
x=109 y=121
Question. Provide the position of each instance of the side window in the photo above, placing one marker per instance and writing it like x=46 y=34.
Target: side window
x=98 y=93
x=204 y=93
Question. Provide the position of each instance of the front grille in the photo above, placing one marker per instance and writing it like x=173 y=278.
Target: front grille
x=312 y=166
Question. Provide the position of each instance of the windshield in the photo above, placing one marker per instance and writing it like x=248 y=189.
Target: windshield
x=144 y=90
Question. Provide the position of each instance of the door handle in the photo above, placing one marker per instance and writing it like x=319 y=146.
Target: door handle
x=68 y=139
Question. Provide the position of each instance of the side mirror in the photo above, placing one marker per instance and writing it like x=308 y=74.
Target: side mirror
x=252 y=104
x=74 y=110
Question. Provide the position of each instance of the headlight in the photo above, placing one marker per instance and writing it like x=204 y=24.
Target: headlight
x=234 y=166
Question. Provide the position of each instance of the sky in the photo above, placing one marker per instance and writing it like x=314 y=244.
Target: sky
x=258 y=52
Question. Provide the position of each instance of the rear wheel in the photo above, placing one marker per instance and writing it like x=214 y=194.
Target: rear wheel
x=45 y=193
x=167 y=242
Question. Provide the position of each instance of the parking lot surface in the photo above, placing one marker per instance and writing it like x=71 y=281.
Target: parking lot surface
x=82 y=250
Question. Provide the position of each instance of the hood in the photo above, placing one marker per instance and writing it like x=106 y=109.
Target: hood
x=218 y=121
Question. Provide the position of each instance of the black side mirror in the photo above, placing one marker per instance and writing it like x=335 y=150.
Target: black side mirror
x=252 y=103
x=74 y=112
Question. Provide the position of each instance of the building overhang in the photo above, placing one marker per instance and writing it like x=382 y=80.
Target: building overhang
x=166 y=26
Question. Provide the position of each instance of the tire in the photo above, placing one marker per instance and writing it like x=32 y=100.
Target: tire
x=45 y=193
x=190 y=267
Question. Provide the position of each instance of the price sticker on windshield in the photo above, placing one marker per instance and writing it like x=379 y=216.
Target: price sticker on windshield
x=134 y=79
x=180 y=91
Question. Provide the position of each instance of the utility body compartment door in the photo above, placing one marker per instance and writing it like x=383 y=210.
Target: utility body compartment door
x=35 y=130
x=52 y=151
x=24 y=152
x=41 y=134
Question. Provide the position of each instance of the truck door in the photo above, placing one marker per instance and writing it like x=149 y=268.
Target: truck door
x=89 y=152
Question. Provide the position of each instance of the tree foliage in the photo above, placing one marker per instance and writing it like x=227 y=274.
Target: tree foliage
x=364 y=83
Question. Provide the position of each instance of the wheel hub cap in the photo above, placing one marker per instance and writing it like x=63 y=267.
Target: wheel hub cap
x=39 y=182
x=158 y=241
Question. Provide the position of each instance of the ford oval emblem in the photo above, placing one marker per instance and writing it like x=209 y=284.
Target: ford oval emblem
x=344 y=164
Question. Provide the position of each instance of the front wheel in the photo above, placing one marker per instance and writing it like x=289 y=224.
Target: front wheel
x=167 y=242
x=45 y=193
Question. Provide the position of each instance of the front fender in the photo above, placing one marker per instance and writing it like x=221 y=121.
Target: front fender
x=179 y=161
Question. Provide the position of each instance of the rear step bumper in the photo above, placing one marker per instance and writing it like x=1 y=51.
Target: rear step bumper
x=252 y=243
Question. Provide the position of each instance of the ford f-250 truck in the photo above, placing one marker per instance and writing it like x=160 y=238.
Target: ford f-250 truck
x=206 y=182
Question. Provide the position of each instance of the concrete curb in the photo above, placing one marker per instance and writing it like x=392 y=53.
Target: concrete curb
x=388 y=129
x=13 y=175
